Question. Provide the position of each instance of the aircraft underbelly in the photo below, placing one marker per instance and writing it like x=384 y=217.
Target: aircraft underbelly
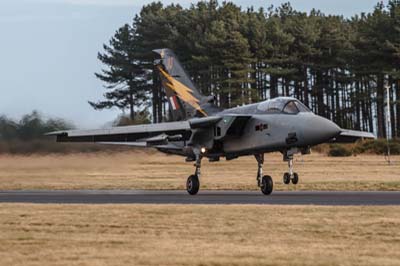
x=246 y=146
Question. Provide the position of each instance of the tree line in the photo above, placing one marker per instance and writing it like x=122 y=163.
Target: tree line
x=31 y=126
x=27 y=136
x=339 y=67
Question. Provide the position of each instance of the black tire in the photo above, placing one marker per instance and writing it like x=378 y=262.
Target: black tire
x=286 y=178
x=267 y=185
x=295 y=179
x=193 y=185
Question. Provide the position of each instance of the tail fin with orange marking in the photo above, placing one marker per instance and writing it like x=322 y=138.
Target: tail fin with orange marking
x=185 y=100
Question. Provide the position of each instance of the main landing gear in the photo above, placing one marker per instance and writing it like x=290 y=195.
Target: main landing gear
x=193 y=182
x=265 y=183
x=290 y=176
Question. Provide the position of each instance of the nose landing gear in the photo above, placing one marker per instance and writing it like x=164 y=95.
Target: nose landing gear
x=290 y=176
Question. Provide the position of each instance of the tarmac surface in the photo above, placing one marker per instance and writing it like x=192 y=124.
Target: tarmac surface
x=204 y=197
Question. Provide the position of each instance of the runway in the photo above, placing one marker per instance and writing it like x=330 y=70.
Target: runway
x=204 y=197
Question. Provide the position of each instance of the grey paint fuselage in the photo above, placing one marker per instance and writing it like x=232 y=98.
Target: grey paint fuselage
x=306 y=128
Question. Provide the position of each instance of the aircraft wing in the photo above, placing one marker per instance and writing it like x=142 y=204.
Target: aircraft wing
x=128 y=134
x=140 y=135
x=350 y=136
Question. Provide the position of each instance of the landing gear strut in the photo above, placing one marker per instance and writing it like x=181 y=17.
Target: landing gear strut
x=193 y=182
x=290 y=176
x=265 y=183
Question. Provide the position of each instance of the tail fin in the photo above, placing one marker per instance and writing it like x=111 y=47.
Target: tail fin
x=184 y=98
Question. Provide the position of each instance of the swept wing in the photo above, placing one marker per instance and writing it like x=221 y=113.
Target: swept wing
x=350 y=136
x=156 y=135
x=128 y=134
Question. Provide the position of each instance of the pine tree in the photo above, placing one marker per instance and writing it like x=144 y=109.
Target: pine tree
x=338 y=67
x=125 y=78
x=394 y=47
x=156 y=27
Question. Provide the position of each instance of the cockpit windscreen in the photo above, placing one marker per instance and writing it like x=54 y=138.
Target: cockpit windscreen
x=282 y=105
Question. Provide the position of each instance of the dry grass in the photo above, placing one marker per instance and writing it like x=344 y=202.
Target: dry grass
x=198 y=235
x=144 y=170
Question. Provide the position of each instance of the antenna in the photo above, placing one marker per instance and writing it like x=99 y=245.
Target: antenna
x=388 y=123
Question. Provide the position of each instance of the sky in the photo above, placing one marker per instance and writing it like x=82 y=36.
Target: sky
x=48 y=51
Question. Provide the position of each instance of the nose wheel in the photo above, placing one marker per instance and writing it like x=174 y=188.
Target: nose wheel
x=286 y=178
x=290 y=176
x=295 y=179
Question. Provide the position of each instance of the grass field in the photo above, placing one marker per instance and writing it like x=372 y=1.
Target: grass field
x=195 y=235
x=198 y=235
x=151 y=170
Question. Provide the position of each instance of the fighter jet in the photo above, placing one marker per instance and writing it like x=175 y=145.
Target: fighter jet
x=201 y=130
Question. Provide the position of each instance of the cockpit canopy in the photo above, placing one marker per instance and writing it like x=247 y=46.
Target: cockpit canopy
x=282 y=105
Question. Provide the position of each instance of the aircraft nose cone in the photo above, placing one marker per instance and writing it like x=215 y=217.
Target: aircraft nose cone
x=319 y=130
